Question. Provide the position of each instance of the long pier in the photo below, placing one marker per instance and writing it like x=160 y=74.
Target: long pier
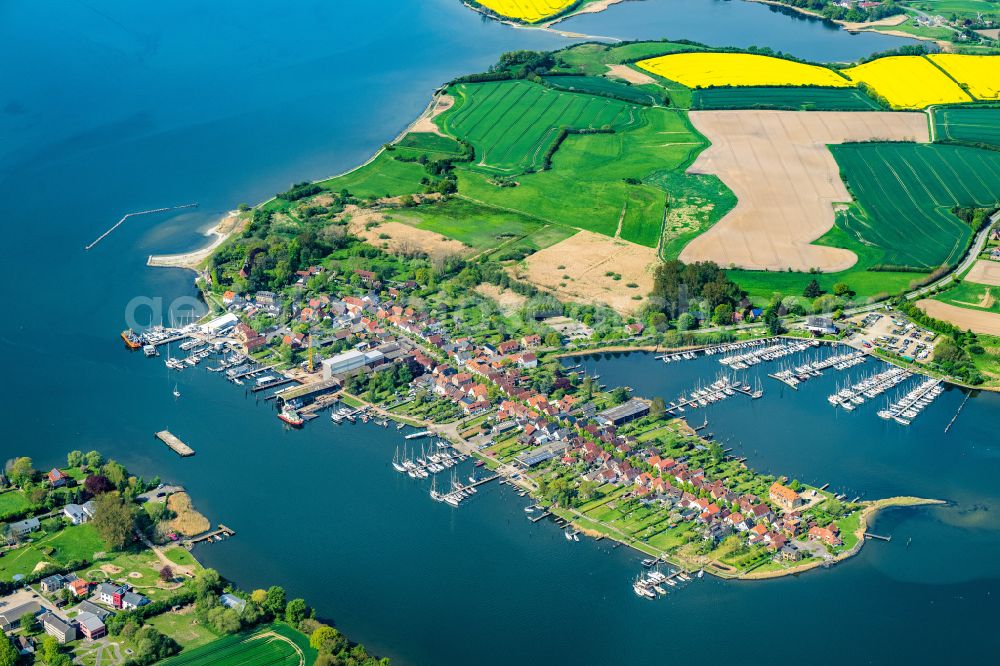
x=254 y=371
x=175 y=444
x=710 y=396
x=869 y=535
x=457 y=493
x=141 y=212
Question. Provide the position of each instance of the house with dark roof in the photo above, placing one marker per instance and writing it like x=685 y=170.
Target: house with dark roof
x=10 y=618
x=62 y=629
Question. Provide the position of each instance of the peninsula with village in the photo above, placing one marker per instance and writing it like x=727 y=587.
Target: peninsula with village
x=453 y=283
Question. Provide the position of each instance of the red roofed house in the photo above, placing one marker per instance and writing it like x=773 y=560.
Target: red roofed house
x=784 y=497
x=57 y=478
x=826 y=535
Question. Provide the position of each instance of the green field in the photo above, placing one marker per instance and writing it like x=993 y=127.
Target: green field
x=970 y=124
x=431 y=143
x=793 y=99
x=477 y=226
x=962 y=8
x=761 y=285
x=599 y=85
x=513 y=123
x=275 y=645
x=973 y=296
x=598 y=165
x=384 y=176
x=905 y=194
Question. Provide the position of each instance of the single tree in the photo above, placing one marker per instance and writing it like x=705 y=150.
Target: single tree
x=8 y=653
x=114 y=519
x=74 y=458
x=296 y=611
x=812 y=289
x=93 y=459
x=20 y=470
x=97 y=484
x=166 y=573
x=275 y=602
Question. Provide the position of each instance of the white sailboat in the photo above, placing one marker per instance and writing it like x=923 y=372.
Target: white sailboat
x=177 y=393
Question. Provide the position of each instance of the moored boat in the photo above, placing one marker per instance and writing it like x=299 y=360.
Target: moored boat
x=291 y=417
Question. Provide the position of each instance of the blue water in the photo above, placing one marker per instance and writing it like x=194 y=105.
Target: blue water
x=114 y=106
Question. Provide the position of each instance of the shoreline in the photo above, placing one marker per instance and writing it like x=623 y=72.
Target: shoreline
x=867 y=514
x=227 y=226
x=855 y=28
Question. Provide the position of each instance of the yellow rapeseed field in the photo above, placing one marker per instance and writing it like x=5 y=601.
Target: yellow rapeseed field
x=981 y=74
x=703 y=70
x=527 y=10
x=908 y=82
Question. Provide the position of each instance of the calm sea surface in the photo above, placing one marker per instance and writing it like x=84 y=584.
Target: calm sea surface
x=109 y=107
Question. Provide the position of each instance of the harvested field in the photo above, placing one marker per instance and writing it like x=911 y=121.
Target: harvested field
x=626 y=73
x=402 y=238
x=587 y=258
x=986 y=272
x=786 y=181
x=975 y=320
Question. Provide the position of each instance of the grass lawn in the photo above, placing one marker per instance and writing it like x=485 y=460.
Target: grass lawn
x=76 y=542
x=13 y=502
x=181 y=556
x=183 y=628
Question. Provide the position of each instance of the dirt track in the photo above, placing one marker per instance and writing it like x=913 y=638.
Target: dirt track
x=787 y=182
x=975 y=320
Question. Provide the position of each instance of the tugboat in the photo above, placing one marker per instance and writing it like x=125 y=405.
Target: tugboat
x=291 y=417
x=132 y=341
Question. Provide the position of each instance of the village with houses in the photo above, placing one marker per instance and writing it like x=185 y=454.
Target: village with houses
x=496 y=387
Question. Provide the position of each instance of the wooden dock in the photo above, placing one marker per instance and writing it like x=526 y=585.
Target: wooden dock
x=175 y=444
x=277 y=382
x=221 y=532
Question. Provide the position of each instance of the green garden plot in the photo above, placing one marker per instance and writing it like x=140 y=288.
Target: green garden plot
x=906 y=193
x=968 y=125
x=793 y=99
x=512 y=124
